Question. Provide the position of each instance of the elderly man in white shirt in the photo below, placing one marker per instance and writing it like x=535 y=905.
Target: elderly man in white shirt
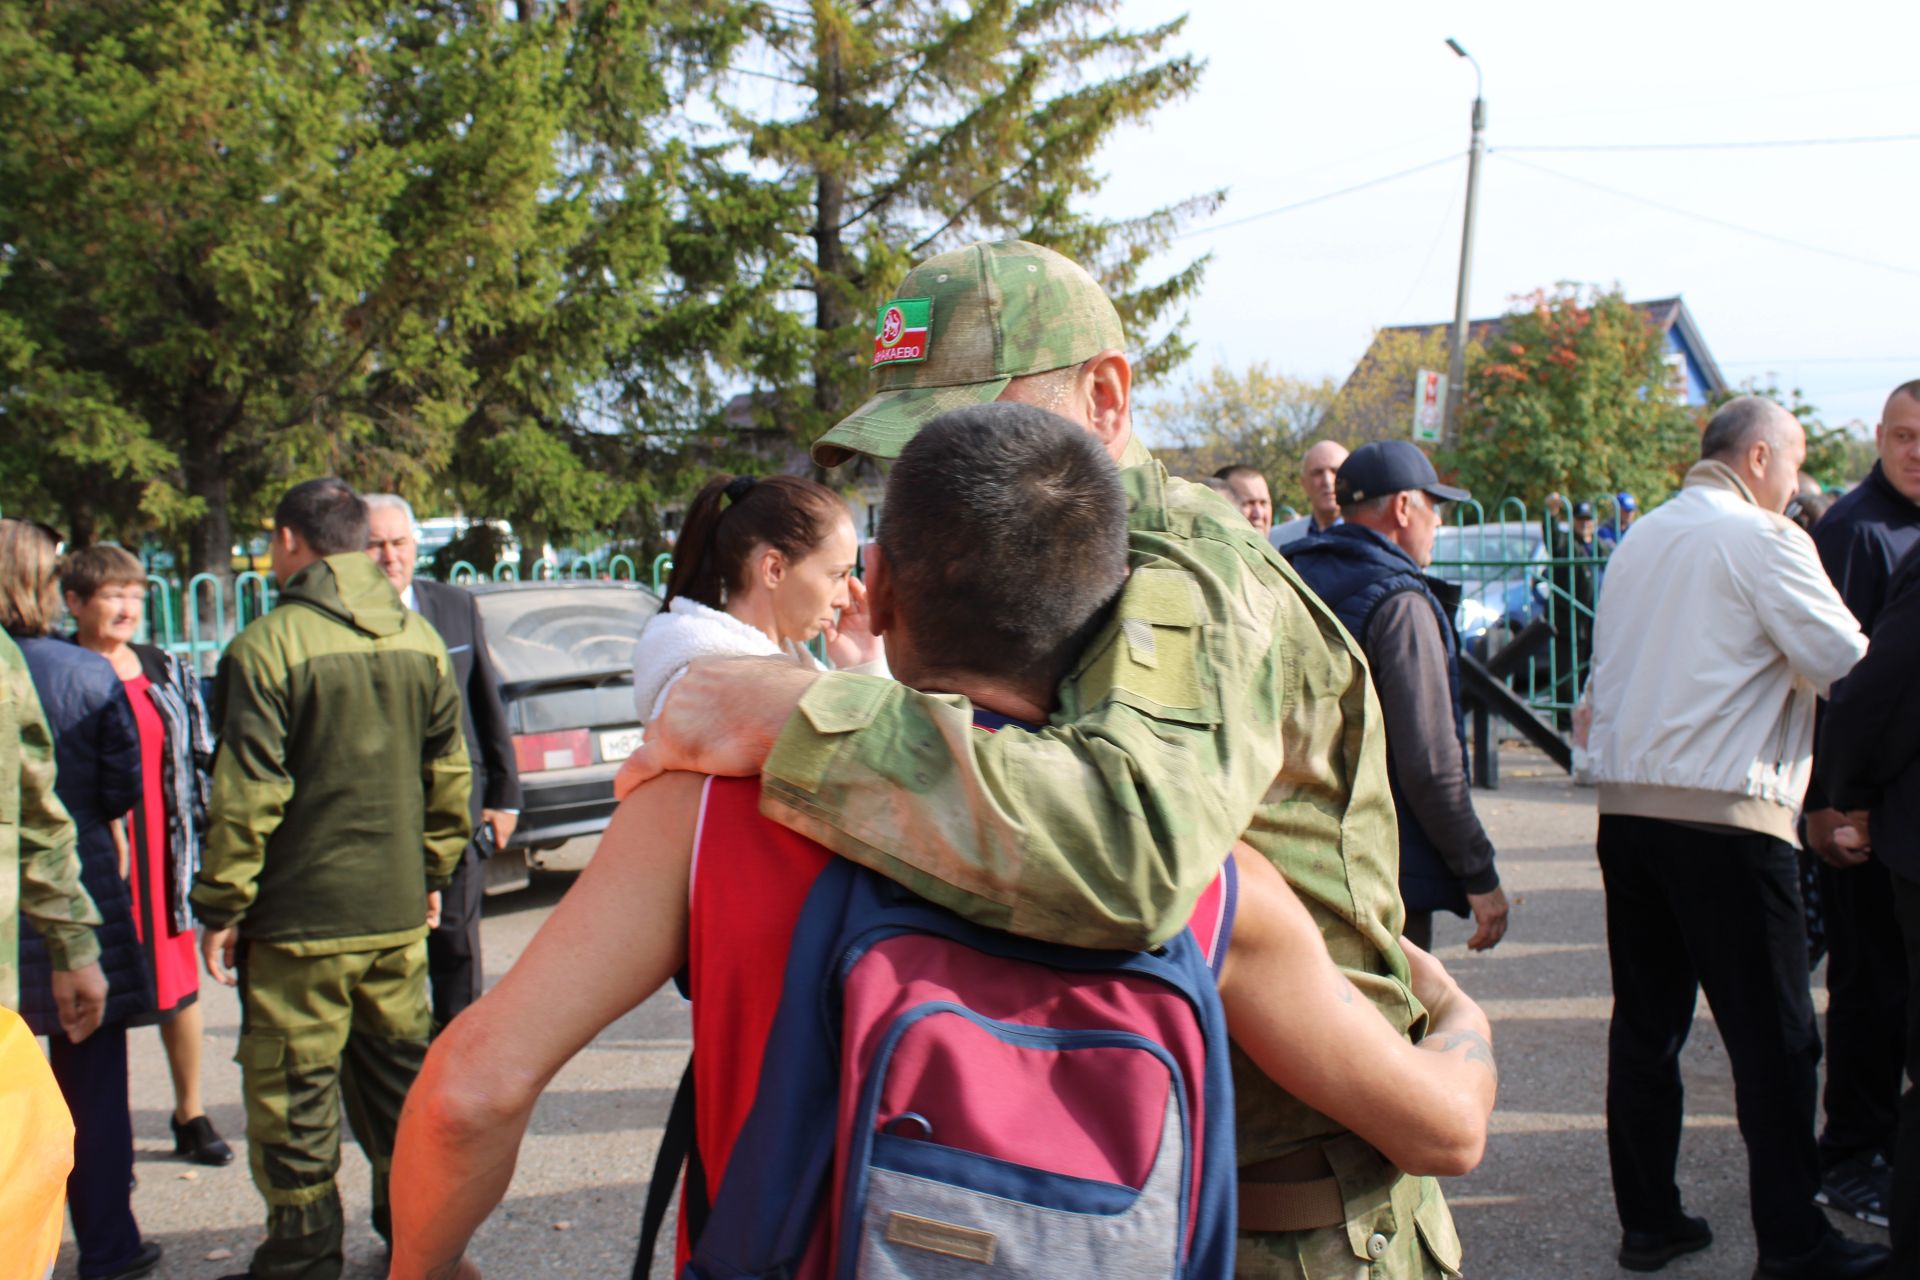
x=1717 y=630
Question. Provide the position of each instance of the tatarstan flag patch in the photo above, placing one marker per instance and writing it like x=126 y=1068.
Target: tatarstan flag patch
x=900 y=331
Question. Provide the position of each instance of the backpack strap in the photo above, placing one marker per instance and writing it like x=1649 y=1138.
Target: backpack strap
x=678 y=1146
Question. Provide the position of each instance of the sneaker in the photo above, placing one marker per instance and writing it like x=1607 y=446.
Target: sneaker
x=1835 y=1258
x=1652 y=1250
x=199 y=1142
x=1859 y=1185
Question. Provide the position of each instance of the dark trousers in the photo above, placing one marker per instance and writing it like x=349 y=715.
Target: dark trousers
x=1689 y=910
x=93 y=1078
x=455 y=969
x=1866 y=1017
x=1905 y=1212
x=1419 y=929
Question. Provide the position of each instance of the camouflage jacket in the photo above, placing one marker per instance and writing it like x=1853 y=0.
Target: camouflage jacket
x=1222 y=699
x=39 y=865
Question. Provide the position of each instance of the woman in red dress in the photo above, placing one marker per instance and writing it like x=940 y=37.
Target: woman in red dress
x=106 y=590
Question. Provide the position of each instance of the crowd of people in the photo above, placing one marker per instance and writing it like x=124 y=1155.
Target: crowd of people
x=1136 y=735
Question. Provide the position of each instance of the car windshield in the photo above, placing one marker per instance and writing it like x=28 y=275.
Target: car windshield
x=552 y=632
x=1482 y=553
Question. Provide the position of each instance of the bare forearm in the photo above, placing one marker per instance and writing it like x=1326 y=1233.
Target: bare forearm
x=451 y=1168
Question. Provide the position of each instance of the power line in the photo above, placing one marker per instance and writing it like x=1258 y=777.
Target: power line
x=1718 y=222
x=1322 y=198
x=1746 y=145
x=1799 y=360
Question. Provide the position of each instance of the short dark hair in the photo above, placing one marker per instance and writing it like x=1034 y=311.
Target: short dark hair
x=1235 y=470
x=1005 y=531
x=1737 y=424
x=1911 y=390
x=88 y=569
x=327 y=514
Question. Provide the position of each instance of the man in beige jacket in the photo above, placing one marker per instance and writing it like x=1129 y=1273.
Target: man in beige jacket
x=1716 y=631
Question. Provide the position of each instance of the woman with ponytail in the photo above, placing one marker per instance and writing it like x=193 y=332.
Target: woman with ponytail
x=762 y=567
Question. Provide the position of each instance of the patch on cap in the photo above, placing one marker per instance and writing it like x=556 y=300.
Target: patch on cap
x=900 y=330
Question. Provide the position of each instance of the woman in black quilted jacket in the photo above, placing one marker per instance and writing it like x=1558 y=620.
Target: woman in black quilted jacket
x=97 y=758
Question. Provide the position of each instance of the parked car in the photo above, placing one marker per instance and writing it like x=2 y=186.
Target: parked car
x=1496 y=568
x=564 y=652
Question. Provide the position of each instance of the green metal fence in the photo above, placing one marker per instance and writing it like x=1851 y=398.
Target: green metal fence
x=1524 y=579
x=198 y=618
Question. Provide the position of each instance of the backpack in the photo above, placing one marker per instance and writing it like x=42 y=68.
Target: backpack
x=939 y=1099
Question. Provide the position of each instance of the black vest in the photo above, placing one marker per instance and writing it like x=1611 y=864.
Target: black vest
x=1354 y=570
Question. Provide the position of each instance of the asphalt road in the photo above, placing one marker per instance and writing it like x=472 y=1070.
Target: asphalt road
x=1539 y=1208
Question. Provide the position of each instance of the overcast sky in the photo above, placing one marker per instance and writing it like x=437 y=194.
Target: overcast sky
x=1305 y=99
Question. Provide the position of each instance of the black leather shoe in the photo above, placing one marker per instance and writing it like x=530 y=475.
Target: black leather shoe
x=198 y=1142
x=1652 y=1250
x=142 y=1265
x=1835 y=1258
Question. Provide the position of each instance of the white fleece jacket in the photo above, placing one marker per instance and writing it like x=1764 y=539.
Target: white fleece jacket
x=1717 y=629
x=686 y=630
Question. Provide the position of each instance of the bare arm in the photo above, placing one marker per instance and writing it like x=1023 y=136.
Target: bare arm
x=613 y=940
x=1425 y=1106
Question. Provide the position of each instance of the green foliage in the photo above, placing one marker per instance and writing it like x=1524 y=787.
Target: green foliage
x=1376 y=402
x=1260 y=418
x=1572 y=394
x=910 y=128
x=246 y=242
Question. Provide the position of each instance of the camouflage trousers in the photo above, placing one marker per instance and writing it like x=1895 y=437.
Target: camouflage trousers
x=1405 y=1233
x=317 y=1032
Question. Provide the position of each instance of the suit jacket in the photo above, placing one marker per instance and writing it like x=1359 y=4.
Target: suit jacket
x=452 y=612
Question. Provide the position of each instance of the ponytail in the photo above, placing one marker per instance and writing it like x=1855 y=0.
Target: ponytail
x=732 y=515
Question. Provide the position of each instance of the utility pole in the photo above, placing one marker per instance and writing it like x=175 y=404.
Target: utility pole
x=1457 y=355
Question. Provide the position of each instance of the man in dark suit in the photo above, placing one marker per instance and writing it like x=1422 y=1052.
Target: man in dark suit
x=454 y=966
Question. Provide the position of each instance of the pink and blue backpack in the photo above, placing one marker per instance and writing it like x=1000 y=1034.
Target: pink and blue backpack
x=935 y=1099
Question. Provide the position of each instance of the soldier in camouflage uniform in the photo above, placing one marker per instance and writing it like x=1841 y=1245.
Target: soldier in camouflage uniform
x=39 y=865
x=338 y=811
x=1222 y=698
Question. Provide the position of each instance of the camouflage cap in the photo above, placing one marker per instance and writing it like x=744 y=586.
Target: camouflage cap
x=964 y=324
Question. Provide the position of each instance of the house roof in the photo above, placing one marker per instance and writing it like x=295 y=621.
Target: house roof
x=1667 y=315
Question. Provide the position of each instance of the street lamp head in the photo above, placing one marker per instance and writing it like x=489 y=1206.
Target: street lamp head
x=1455 y=46
x=1478 y=82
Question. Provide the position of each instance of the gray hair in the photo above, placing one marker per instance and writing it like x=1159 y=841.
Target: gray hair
x=391 y=502
x=1739 y=423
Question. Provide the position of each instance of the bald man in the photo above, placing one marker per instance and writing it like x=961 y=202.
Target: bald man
x=1716 y=628
x=1318 y=467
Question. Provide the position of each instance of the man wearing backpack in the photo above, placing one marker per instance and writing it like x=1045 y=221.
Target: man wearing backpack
x=1222 y=699
x=627 y=920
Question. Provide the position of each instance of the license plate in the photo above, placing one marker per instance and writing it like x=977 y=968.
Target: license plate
x=619 y=744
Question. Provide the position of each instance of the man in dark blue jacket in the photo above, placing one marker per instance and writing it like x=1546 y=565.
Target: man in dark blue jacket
x=1369 y=571
x=1870 y=760
x=1861 y=538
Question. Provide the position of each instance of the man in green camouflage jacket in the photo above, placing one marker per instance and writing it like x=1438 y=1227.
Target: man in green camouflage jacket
x=338 y=812
x=39 y=865
x=1222 y=698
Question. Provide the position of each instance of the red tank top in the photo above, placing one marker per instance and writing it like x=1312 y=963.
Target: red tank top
x=750 y=880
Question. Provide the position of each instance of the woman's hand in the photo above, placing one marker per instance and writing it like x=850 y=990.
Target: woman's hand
x=851 y=643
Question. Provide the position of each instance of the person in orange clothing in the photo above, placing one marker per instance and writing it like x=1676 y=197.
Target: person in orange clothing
x=36 y=1158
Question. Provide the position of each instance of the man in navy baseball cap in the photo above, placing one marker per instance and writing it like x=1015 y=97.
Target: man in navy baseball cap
x=1371 y=571
x=1390 y=466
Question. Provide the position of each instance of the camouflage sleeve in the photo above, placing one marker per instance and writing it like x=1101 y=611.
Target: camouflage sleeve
x=51 y=895
x=448 y=778
x=1103 y=828
x=251 y=785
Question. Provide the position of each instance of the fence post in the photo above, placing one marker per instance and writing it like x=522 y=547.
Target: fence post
x=662 y=567
x=160 y=592
x=506 y=571
x=192 y=606
x=459 y=567
x=613 y=568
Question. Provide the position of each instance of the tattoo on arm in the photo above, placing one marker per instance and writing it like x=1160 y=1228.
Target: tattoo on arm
x=1478 y=1050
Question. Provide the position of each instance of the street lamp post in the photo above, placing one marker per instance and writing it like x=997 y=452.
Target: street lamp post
x=1457 y=354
